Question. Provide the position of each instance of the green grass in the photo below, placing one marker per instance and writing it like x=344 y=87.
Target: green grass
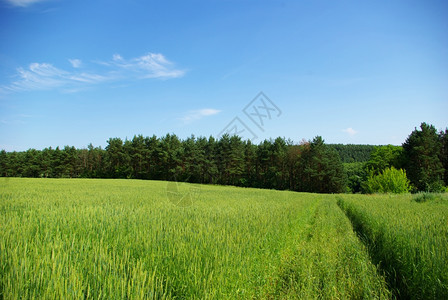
x=408 y=237
x=119 y=238
x=327 y=261
x=116 y=239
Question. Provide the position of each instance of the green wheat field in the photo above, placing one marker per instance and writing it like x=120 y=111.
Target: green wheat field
x=131 y=239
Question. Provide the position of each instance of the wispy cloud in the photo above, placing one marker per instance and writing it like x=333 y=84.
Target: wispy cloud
x=194 y=115
x=23 y=3
x=117 y=57
x=45 y=76
x=76 y=63
x=151 y=65
x=350 y=131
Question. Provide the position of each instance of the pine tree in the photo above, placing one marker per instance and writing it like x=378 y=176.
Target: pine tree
x=152 y=162
x=237 y=160
x=322 y=169
x=211 y=161
x=422 y=159
x=264 y=156
x=170 y=155
x=278 y=168
x=4 y=161
x=118 y=160
x=250 y=154
x=443 y=136
x=292 y=165
x=137 y=156
x=32 y=163
x=193 y=162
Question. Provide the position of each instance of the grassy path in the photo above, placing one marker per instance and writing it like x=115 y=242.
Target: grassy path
x=327 y=261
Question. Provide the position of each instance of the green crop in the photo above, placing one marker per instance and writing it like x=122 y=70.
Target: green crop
x=407 y=238
x=131 y=239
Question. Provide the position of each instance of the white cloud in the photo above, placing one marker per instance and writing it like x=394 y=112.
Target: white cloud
x=23 y=3
x=37 y=76
x=209 y=111
x=194 y=115
x=76 y=63
x=117 y=57
x=45 y=70
x=350 y=131
x=89 y=78
x=151 y=65
x=42 y=76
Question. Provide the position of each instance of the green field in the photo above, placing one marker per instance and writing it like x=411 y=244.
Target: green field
x=116 y=239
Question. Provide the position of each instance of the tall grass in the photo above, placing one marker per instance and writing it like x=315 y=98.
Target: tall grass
x=408 y=238
x=115 y=239
x=327 y=261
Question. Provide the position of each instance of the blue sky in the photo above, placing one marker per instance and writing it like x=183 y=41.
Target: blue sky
x=75 y=72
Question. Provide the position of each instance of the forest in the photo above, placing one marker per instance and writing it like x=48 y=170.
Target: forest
x=419 y=164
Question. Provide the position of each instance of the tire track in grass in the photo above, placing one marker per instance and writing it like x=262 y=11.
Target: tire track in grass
x=373 y=246
x=327 y=261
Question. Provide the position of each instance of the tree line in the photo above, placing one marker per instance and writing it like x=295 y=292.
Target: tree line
x=420 y=164
x=229 y=160
x=310 y=166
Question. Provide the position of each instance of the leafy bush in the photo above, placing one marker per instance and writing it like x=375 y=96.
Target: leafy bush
x=390 y=180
